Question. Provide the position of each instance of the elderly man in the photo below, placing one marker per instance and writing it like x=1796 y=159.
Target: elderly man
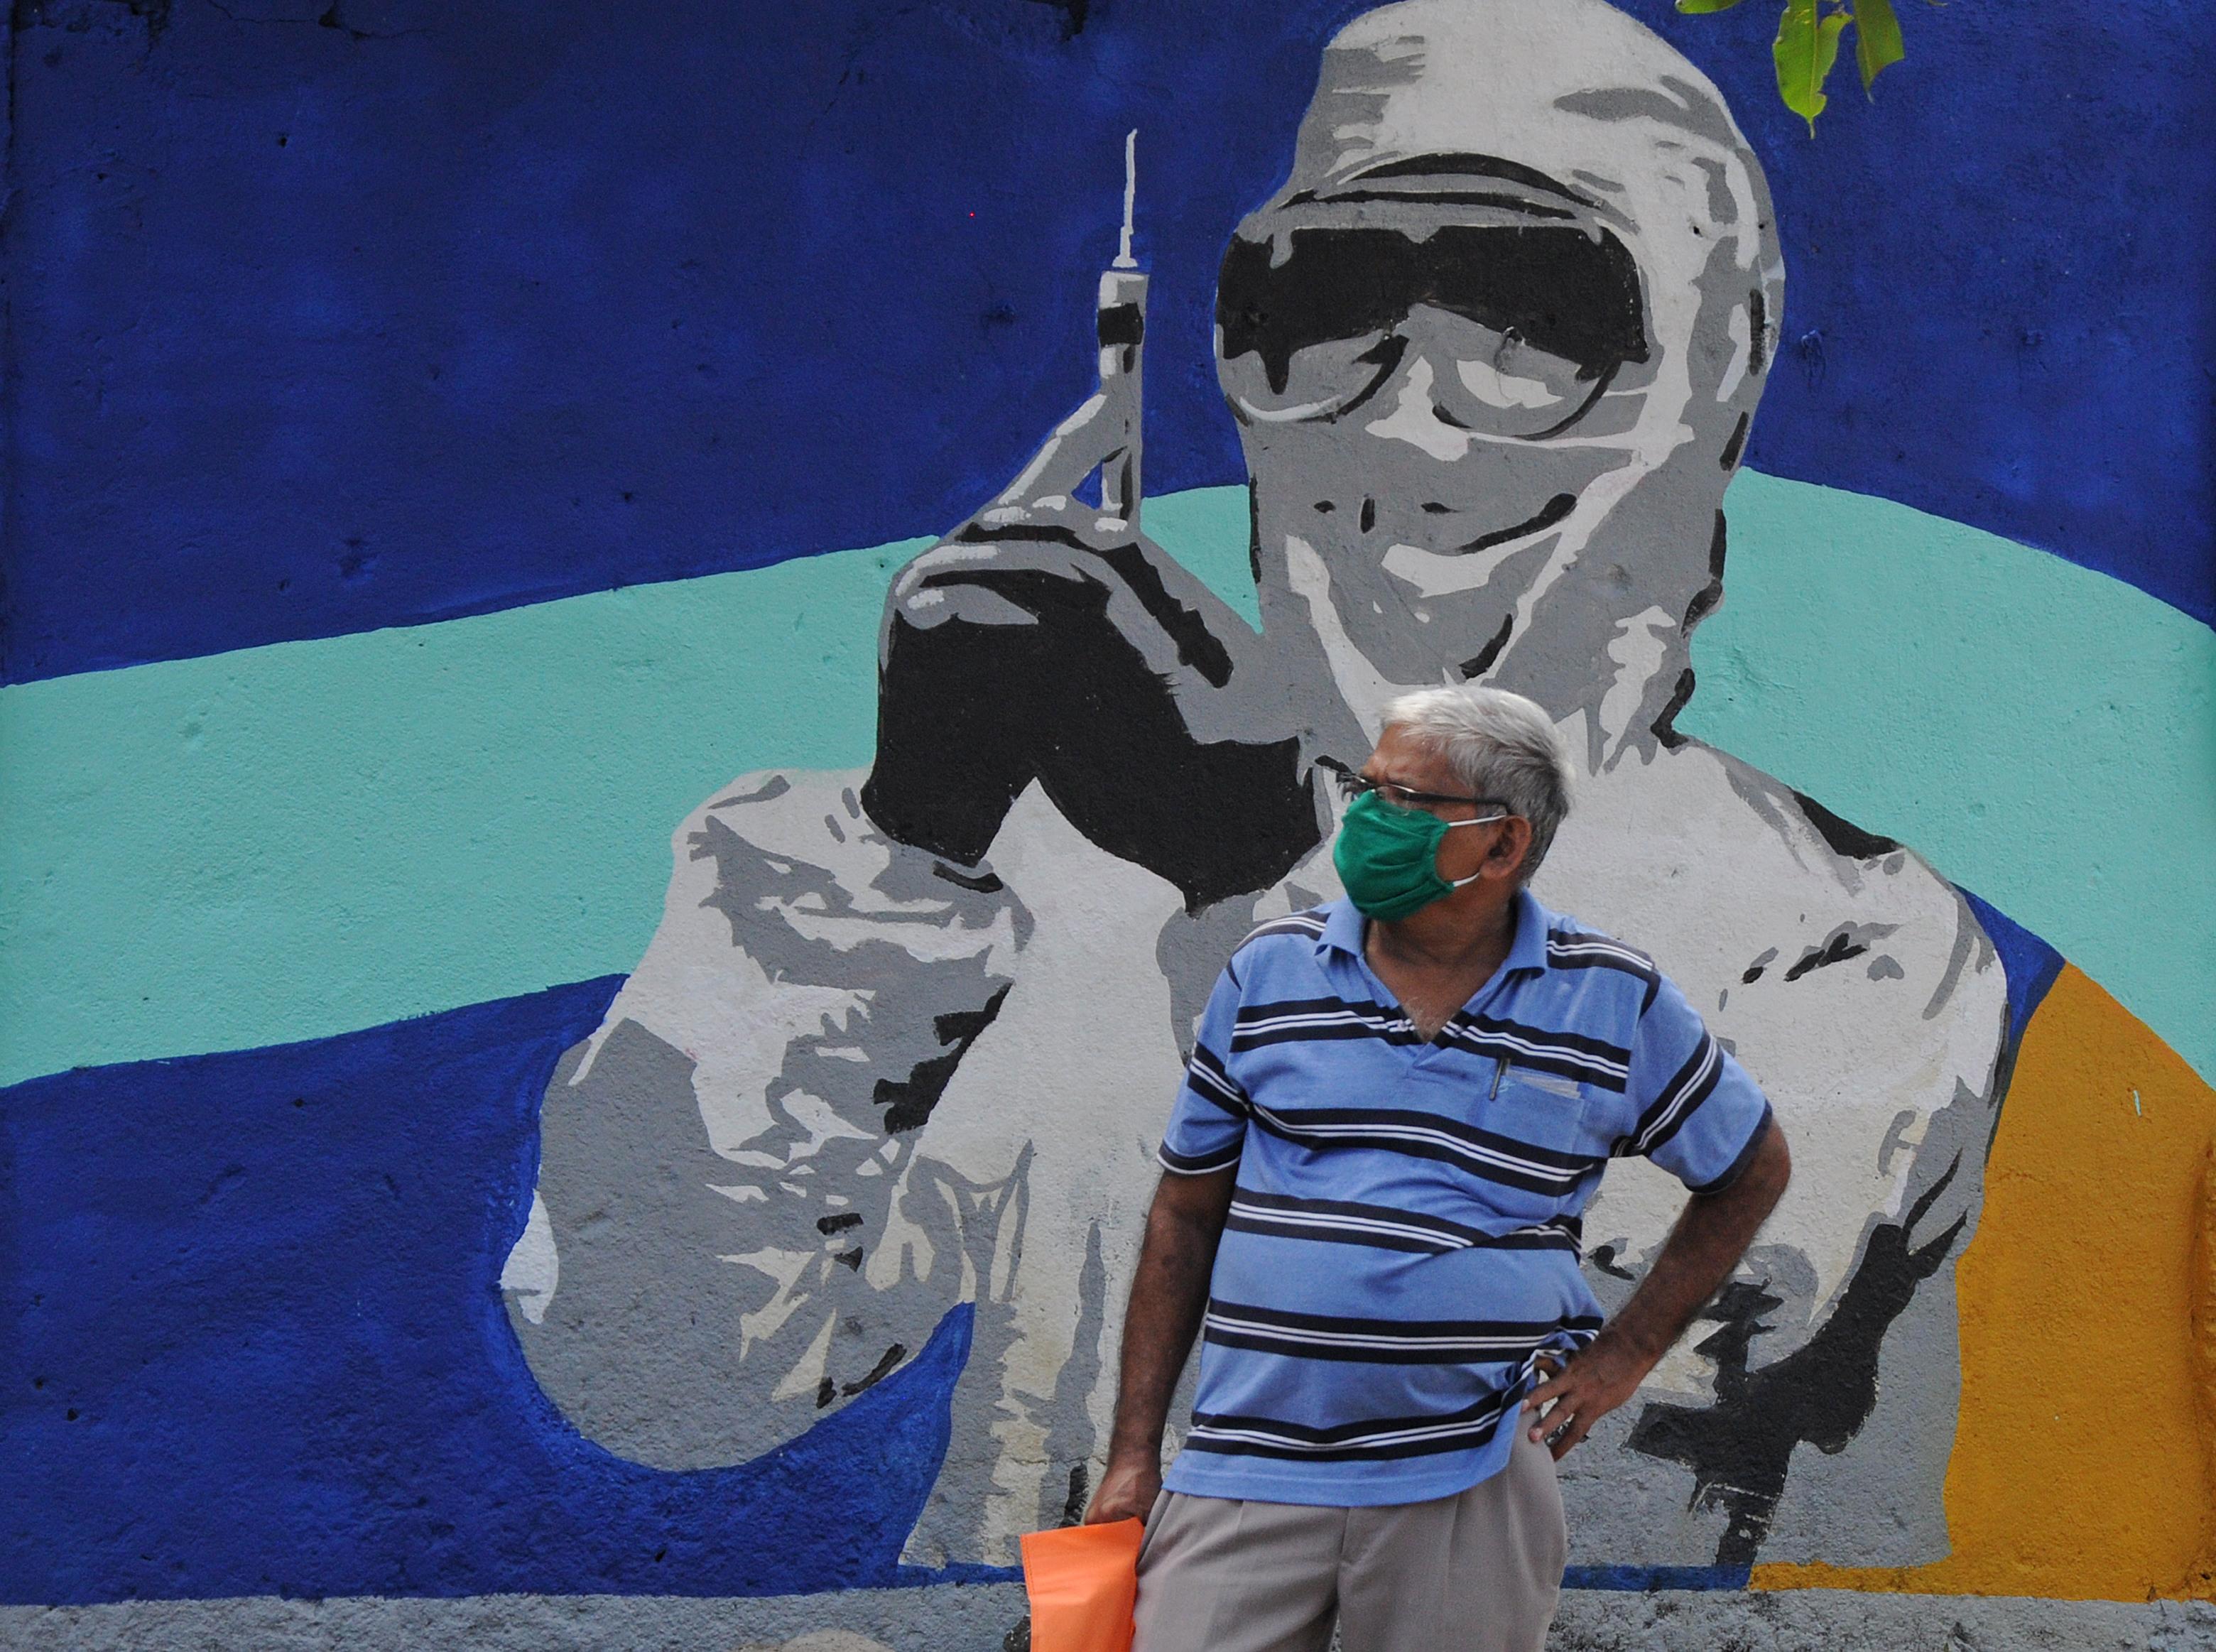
x=888 y=1069
x=1397 y=1108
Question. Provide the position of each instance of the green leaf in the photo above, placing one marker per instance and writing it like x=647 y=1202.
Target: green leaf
x=1877 y=39
x=1806 y=48
x=1697 y=6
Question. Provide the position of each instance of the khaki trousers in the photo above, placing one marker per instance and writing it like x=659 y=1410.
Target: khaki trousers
x=1478 y=1572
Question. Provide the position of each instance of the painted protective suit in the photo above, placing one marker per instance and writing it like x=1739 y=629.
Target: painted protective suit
x=905 y=1040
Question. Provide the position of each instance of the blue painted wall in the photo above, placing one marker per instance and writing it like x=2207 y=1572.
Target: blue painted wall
x=259 y=1348
x=420 y=310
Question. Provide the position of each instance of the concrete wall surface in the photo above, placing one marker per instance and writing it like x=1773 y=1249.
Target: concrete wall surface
x=651 y=657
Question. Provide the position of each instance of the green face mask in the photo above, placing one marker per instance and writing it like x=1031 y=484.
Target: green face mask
x=1388 y=857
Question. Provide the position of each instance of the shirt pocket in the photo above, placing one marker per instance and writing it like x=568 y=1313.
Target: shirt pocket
x=1542 y=1130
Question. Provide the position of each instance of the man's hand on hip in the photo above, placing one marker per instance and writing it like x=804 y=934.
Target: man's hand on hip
x=1565 y=1406
x=1699 y=1255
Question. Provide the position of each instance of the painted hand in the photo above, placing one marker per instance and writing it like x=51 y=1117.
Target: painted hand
x=1045 y=641
x=1563 y=1409
x=1128 y=1491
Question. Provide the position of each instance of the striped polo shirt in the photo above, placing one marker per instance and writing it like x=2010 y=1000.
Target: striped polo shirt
x=1403 y=1241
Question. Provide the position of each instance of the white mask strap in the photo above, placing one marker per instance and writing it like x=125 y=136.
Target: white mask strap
x=1482 y=820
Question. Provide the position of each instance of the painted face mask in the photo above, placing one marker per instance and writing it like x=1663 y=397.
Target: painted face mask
x=1388 y=857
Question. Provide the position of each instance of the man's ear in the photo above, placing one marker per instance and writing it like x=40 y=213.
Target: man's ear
x=1505 y=858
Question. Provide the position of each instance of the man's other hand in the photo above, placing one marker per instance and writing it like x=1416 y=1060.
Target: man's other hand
x=1169 y=1291
x=1127 y=1492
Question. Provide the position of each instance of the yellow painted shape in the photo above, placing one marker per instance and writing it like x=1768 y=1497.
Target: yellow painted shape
x=2082 y=1466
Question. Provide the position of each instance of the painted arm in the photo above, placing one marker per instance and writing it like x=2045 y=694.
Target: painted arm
x=1702 y=1250
x=1168 y=1293
x=738 y=1226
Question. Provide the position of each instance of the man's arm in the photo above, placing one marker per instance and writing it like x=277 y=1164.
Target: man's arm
x=1700 y=1254
x=1169 y=1291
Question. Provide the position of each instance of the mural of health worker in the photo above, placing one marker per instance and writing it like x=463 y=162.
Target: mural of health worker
x=903 y=1042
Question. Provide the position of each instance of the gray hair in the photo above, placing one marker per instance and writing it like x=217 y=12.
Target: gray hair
x=1500 y=745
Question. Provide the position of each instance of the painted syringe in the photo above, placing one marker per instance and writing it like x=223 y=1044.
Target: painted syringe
x=1122 y=330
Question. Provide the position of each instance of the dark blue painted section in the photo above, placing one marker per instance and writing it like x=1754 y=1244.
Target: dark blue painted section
x=1646 y=1579
x=427 y=310
x=2029 y=963
x=256 y=1345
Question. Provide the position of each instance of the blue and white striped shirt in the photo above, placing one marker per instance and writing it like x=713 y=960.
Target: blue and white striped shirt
x=1403 y=1241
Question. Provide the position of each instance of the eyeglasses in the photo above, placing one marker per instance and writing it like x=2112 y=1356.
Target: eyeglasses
x=1352 y=786
x=1534 y=322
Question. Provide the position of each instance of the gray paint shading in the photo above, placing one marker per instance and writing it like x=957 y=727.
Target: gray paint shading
x=651 y=1331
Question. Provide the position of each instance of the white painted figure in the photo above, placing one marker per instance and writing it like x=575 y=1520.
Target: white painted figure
x=905 y=1040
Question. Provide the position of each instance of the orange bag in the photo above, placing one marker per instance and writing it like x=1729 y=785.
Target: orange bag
x=1083 y=1582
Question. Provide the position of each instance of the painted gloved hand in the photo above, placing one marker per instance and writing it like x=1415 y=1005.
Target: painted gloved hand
x=1042 y=640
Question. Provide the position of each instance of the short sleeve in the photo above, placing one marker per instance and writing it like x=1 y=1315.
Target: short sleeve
x=1700 y=1116
x=1208 y=1122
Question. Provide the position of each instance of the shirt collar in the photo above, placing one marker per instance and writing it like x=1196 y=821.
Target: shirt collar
x=1529 y=949
x=1342 y=930
x=1342 y=927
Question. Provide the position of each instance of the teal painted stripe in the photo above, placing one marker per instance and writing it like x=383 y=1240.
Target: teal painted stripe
x=293 y=841
x=287 y=842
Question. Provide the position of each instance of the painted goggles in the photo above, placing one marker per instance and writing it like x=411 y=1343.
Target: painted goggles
x=1525 y=325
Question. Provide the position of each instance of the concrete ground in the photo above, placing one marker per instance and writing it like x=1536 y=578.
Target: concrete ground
x=980 y=1618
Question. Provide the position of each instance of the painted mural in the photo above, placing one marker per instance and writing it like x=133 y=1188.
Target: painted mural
x=1494 y=347
x=779 y=1256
